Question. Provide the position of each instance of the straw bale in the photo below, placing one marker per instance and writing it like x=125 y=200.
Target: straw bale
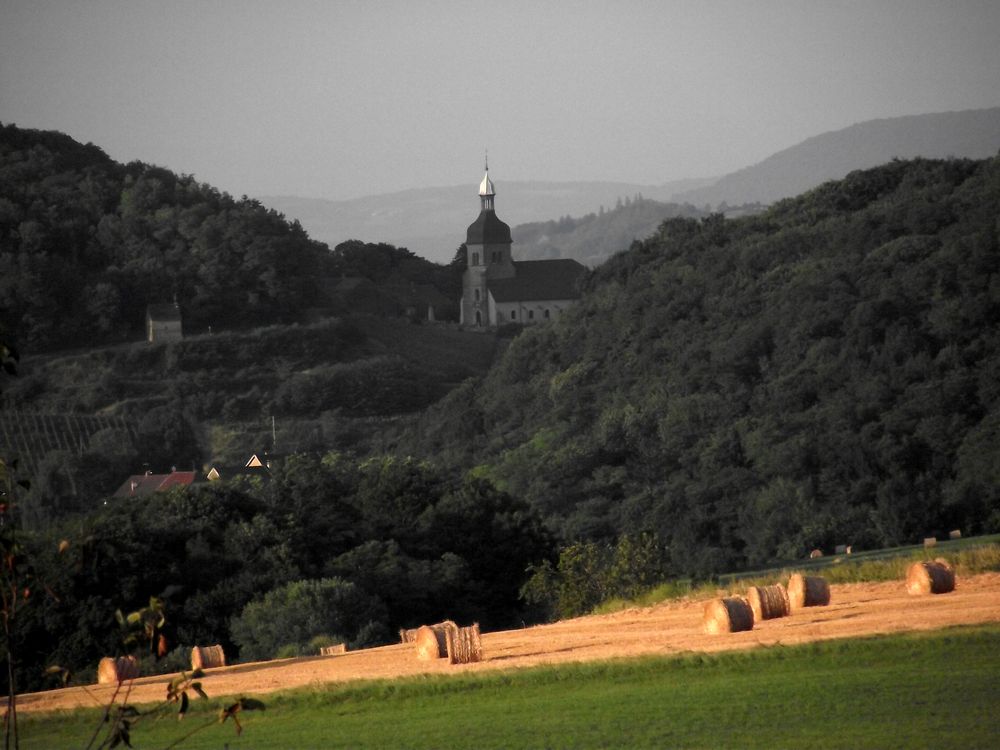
x=807 y=591
x=432 y=640
x=955 y=534
x=768 y=602
x=337 y=648
x=206 y=657
x=408 y=635
x=464 y=645
x=930 y=541
x=930 y=577
x=840 y=549
x=730 y=614
x=112 y=670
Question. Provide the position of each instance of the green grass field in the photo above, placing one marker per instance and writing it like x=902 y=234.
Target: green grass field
x=930 y=690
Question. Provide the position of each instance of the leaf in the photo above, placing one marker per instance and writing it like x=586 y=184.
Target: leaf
x=161 y=646
x=120 y=617
x=196 y=686
x=184 y=706
x=63 y=546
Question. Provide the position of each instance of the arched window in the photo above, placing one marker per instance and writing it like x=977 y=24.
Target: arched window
x=546 y=313
x=475 y=259
x=531 y=314
x=479 y=318
x=513 y=314
x=477 y=295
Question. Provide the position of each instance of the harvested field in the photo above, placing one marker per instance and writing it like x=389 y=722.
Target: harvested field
x=856 y=609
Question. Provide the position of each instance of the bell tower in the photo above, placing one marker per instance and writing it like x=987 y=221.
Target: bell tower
x=488 y=244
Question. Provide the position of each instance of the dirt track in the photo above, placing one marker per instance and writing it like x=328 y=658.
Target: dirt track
x=858 y=609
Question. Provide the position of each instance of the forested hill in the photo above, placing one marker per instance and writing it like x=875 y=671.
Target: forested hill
x=827 y=372
x=970 y=134
x=593 y=238
x=87 y=243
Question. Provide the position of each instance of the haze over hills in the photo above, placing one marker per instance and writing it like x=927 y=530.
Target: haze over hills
x=431 y=222
x=971 y=134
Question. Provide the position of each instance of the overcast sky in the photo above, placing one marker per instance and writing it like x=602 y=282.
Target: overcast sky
x=337 y=99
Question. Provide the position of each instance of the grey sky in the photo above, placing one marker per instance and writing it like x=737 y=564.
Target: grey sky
x=340 y=99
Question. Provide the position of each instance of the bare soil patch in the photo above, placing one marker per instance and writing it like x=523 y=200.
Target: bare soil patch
x=856 y=609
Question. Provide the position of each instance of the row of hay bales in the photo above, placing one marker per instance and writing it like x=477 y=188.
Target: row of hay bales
x=733 y=614
x=445 y=640
x=112 y=670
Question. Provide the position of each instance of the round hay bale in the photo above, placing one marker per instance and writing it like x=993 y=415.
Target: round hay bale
x=768 y=602
x=430 y=643
x=930 y=577
x=465 y=645
x=727 y=615
x=815 y=553
x=112 y=670
x=807 y=591
x=206 y=657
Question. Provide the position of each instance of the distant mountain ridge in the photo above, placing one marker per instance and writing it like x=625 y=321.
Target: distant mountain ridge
x=971 y=134
x=431 y=222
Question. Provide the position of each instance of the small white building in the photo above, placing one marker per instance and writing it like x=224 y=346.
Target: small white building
x=163 y=323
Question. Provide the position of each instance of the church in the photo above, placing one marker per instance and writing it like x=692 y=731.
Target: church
x=496 y=289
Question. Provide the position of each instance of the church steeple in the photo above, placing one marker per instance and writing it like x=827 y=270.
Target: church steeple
x=488 y=229
x=486 y=191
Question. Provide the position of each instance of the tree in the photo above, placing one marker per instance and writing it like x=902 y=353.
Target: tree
x=294 y=614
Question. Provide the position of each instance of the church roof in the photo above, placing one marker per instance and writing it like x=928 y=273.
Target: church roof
x=488 y=229
x=540 y=280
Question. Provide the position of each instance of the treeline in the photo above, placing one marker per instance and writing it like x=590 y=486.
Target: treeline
x=823 y=373
x=593 y=238
x=330 y=550
x=87 y=243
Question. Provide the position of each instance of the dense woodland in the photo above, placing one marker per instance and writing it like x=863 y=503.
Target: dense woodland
x=87 y=243
x=214 y=400
x=378 y=545
x=824 y=373
x=728 y=393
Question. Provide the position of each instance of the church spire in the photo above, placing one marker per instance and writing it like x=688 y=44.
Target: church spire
x=486 y=191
